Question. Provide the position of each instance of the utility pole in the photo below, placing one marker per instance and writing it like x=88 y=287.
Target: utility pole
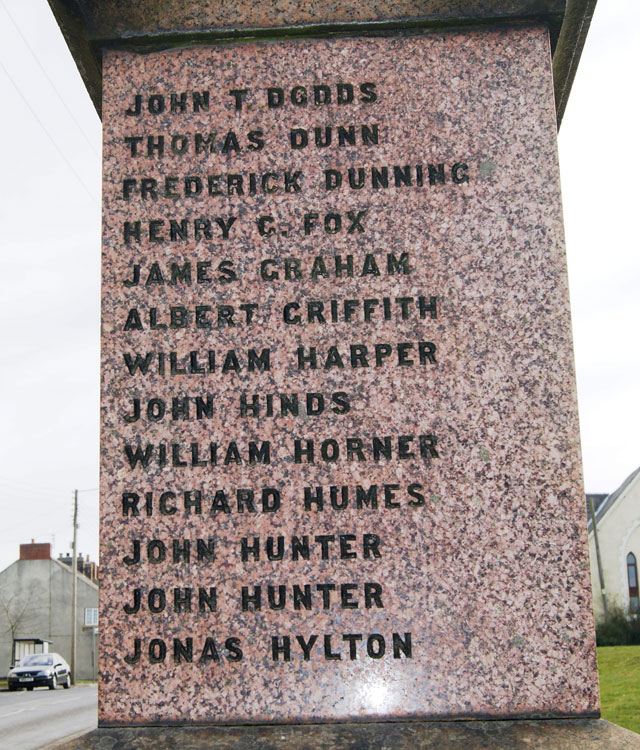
x=595 y=539
x=74 y=587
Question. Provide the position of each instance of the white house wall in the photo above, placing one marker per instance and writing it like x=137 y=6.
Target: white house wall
x=618 y=534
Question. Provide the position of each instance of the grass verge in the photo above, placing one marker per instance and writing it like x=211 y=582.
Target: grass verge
x=619 y=671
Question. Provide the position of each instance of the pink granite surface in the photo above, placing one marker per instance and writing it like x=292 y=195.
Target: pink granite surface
x=488 y=573
x=111 y=18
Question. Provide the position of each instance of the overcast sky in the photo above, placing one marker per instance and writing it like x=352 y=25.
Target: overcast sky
x=50 y=246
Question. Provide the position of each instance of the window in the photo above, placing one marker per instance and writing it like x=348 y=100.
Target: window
x=91 y=616
x=37 y=660
x=632 y=577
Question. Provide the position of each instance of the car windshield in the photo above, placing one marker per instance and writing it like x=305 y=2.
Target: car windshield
x=37 y=660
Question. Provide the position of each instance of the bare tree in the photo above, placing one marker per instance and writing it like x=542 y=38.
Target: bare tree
x=19 y=609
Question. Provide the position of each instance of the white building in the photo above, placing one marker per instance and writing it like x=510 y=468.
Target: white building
x=618 y=526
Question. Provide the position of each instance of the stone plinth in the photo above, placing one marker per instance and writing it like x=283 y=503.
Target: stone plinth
x=479 y=735
x=340 y=461
x=119 y=19
x=89 y=27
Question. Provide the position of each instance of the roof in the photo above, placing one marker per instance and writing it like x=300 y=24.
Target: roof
x=598 y=499
x=608 y=501
x=81 y=577
x=32 y=640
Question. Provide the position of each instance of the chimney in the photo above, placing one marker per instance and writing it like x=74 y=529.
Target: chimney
x=35 y=551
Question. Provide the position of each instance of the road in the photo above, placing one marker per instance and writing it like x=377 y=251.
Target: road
x=30 y=720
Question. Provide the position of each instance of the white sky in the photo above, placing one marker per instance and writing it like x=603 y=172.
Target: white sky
x=50 y=257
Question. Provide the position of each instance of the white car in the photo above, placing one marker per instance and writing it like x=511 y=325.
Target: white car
x=38 y=670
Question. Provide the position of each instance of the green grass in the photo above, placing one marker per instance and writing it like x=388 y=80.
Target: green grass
x=619 y=670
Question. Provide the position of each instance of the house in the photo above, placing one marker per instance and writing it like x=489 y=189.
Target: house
x=618 y=526
x=35 y=610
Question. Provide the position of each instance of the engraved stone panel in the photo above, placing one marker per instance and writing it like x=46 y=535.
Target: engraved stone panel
x=340 y=459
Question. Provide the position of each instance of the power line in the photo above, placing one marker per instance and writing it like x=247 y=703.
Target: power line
x=17 y=482
x=30 y=526
x=48 y=134
x=28 y=495
x=37 y=490
x=20 y=487
x=46 y=75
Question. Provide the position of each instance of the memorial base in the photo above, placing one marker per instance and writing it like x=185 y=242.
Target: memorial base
x=563 y=734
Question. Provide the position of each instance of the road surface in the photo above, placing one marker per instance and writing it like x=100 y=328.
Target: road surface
x=31 y=719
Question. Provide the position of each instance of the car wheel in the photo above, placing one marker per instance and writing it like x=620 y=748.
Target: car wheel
x=54 y=683
x=13 y=688
x=30 y=688
x=67 y=683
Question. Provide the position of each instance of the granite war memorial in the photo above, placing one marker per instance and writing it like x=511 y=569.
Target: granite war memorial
x=341 y=474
